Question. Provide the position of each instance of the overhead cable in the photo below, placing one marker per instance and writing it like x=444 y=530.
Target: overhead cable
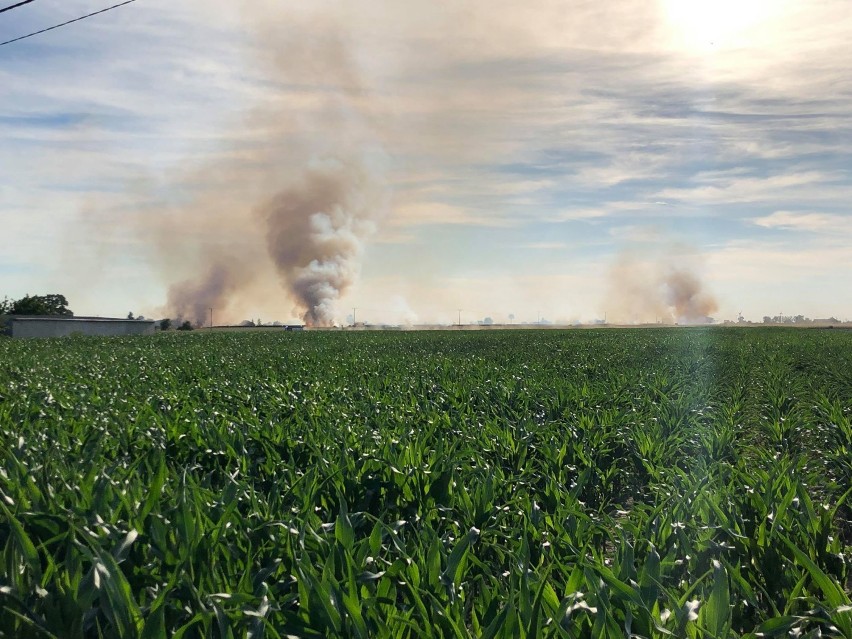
x=56 y=26
x=15 y=6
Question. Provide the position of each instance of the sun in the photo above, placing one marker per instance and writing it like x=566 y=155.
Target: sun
x=702 y=25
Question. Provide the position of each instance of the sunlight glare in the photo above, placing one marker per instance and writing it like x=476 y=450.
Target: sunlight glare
x=701 y=25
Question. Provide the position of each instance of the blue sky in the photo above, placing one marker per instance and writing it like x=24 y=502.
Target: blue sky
x=517 y=155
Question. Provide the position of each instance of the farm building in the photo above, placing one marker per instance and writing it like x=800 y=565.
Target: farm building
x=52 y=326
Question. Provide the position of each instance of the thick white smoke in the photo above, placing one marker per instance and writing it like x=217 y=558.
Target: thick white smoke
x=316 y=232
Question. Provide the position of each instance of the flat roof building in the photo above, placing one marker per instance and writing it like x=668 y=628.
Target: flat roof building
x=54 y=326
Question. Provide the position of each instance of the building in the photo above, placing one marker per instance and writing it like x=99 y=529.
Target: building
x=54 y=326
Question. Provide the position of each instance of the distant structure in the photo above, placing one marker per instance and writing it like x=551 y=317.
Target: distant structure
x=56 y=326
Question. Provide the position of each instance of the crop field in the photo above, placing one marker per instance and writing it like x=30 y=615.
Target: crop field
x=587 y=483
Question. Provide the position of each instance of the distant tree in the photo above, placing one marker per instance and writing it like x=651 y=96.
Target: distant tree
x=165 y=324
x=186 y=326
x=130 y=315
x=5 y=329
x=511 y=317
x=767 y=319
x=53 y=304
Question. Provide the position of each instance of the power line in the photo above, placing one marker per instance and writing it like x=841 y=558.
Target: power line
x=30 y=35
x=15 y=6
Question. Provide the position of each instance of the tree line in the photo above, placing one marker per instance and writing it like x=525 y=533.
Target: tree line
x=56 y=305
x=51 y=304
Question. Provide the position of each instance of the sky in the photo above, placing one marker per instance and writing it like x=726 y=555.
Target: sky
x=417 y=162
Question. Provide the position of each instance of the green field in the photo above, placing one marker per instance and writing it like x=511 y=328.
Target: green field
x=588 y=483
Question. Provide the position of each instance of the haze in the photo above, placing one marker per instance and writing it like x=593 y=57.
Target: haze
x=293 y=161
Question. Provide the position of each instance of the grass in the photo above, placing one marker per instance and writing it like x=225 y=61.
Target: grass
x=653 y=483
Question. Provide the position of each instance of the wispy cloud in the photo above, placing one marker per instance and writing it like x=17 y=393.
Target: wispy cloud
x=544 y=246
x=163 y=120
x=440 y=213
x=803 y=221
x=728 y=188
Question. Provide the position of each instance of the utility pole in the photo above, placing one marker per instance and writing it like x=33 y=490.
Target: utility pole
x=460 y=317
x=211 y=318
x=353 y=315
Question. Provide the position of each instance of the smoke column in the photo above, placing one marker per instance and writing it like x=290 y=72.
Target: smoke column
x=662 y=286
x=316 y=230
x=192 y=299
x=293 y=202
x=686 y=297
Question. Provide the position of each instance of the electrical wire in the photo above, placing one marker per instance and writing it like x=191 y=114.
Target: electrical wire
x=15 y=6
x=56 y=26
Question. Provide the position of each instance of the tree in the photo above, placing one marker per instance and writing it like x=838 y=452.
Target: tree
x=165 y=324
x=5 y=305
x=130 y=315
x=186 y=326
x=52 y=304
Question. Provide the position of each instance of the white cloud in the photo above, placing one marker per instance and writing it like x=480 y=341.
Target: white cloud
x=439 y=213
x=604 y=210
x=802 y=221
x=804 y=185
x=544 y=246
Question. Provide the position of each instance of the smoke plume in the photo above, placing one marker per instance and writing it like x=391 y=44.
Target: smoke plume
x=193 y=299
x=311 y=234
x=662 y=287
x=315 y=235
x=280 y=220
x=686 y=297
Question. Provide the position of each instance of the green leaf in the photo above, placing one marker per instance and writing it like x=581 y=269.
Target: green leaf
x=830 y=590
x=25 y=545
x=715 y=614
x=343 y=531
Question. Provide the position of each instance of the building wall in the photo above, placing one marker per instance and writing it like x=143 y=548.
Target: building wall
x=62 y=327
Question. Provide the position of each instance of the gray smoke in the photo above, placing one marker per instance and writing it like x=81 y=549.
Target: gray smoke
x=664 y=286
x=316 y=231
x=192 y=299
x=686 y=297
x=300 y=191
